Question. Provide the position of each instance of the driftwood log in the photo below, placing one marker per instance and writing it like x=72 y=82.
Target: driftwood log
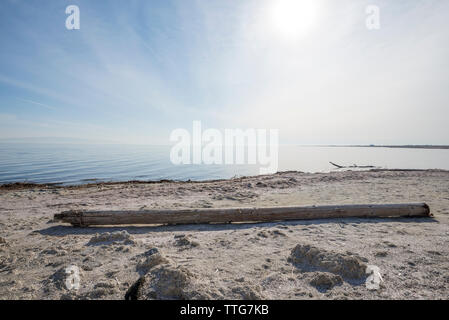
x=226 y=215
x=353 y=166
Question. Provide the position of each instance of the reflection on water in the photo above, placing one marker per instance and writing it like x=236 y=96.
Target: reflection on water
x=77 y=164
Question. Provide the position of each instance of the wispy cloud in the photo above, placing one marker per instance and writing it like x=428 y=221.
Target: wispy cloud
x=38 y=104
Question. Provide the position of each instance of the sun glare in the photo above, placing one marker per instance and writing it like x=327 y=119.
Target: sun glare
x=292 y=19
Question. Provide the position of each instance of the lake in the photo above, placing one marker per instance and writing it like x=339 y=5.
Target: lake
x=72 y=164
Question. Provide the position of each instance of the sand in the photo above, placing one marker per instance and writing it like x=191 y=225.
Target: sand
x=316 y=259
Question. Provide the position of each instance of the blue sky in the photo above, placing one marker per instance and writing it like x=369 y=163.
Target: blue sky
x=136 y=70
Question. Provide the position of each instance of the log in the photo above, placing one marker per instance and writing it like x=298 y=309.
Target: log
x=226 y=215
x=353 y=166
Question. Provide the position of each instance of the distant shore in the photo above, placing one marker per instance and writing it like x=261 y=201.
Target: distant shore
x=395 y=146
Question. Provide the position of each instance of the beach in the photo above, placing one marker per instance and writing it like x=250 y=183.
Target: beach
x=278 y=260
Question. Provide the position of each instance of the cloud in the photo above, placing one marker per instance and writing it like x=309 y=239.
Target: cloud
x=38 y=104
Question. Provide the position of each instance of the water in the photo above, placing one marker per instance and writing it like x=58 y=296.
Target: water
x=77 y=164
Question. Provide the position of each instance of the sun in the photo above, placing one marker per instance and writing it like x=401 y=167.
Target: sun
x=292 y=19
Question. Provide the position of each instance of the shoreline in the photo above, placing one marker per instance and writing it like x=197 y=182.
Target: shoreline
x=25 y=185
x=405 y=146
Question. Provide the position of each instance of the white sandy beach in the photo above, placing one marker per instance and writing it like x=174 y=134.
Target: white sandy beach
x=234 y=261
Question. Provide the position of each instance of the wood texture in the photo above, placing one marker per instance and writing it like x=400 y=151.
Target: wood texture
x=225 y=215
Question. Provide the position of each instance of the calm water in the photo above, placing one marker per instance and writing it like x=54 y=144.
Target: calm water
x=77 y=164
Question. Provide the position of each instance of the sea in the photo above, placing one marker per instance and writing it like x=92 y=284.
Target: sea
x=74 y=164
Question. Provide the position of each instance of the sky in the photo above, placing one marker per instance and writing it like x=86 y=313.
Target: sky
x=137 y=70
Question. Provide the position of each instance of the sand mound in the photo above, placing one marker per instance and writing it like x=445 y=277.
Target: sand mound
x=150 y=259
x=185 y=242
x=60 y=279
x=102 y=289
x=310 y=258
x=113 y=237
x=325 y=281
x=248 y=292
x=168 y=282
x=164 y=279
